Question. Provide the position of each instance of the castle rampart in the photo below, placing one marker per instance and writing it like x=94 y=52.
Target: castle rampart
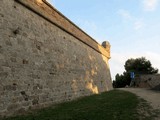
x=45 y=58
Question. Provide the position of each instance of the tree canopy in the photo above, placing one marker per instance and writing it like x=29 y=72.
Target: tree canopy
x=138 y=66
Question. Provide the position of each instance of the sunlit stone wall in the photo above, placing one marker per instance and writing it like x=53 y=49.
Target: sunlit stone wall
x=45 y=59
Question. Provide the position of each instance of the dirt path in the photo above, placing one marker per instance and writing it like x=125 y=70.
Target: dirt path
x=153 y=97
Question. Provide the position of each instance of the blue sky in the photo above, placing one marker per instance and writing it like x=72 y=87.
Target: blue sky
x=131 y=26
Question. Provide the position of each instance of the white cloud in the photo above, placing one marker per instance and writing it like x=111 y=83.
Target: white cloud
x=117 y=62
x=138 y=24
x=150 y=5
x=86 y=24
x=124 y=13
x=154 y=58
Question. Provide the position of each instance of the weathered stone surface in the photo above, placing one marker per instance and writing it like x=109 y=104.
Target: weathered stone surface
x=148 y=81
x=45 y=59
x=13 y=107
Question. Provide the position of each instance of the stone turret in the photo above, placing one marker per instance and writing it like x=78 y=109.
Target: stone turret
x=107 y=46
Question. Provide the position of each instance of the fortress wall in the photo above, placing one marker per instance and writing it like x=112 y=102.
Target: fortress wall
x=148 y=81
x=45 y=59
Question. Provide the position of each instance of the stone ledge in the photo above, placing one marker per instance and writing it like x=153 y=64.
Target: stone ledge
x=48 y=12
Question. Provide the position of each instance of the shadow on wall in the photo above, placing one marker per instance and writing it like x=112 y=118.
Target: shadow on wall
x=96 y=77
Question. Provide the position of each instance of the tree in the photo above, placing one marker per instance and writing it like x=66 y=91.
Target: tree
x=121 y=80
x=138 y=66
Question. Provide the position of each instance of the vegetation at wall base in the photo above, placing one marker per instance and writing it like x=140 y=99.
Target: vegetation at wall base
x=112 y=105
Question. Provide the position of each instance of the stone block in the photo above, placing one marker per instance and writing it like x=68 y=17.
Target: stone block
x=13 y=107
x=9 y=87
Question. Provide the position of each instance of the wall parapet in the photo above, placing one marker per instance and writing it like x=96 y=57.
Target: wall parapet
x=48 y=12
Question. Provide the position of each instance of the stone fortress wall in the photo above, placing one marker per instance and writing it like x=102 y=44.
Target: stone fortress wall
x=148 y=81
x=45 y=58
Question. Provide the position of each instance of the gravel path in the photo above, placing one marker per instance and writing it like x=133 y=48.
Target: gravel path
x=153 y=97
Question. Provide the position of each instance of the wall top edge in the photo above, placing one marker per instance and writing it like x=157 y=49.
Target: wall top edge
x=50 y=13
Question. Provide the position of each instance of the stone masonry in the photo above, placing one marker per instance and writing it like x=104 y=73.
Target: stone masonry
x=46 y=59
x=148 y=81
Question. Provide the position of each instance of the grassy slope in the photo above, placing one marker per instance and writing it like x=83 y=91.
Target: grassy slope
x=113 y=105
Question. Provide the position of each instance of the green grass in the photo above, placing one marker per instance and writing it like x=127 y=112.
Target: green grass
x=113 y=105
